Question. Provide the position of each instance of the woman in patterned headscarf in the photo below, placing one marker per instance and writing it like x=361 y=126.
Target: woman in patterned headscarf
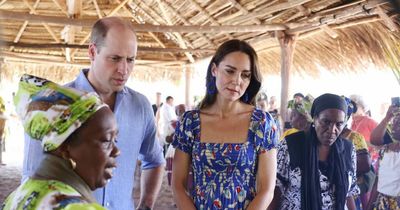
x=77 y=132
x=300 y=115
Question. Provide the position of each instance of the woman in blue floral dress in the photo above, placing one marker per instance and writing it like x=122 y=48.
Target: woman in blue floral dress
x=228 y=143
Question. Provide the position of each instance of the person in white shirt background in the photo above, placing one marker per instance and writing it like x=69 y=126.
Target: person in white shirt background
x=167 y=119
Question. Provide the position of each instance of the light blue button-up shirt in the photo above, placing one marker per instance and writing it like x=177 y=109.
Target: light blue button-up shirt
x=136 y=140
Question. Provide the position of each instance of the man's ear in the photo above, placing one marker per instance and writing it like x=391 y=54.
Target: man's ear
x=92 y=51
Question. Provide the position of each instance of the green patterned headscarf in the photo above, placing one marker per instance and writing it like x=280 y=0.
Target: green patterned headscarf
x=303 y=107
x=50 y=112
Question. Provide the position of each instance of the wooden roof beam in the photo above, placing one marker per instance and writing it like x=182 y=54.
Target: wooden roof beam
x=142 y=7
x=146 y=27
x=266 y=10
x=150 y=33
x=347 y=9
x=74 y=8
x=304 y=10
x=308 y=34
x=202 y=10
x=25 y=24
x=186 y=22
x=243 y=10
x=341 y=15
x=51 y=32
x=352 y=23
x=96 y=6
x=303 y=13
x=85 y=46
x=2 y=2
x=133 y=5
x=340 y=7
x=61 y=5
x=45 y=25
x=116 y=9
x=56 y=60
x=212 y=19
x=181 y=42
x=329 y=31
x=386 y=19
x=257 y=4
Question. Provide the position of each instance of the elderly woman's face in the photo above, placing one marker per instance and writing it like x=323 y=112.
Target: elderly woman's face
x=96 y=151
x=328 y=125
x=297 y=120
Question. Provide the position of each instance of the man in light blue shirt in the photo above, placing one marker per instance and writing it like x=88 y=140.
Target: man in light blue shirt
x=112 y=52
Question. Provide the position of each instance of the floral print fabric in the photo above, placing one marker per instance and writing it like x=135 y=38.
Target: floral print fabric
x=225 y=173
x=46 y=194
x=385 y=202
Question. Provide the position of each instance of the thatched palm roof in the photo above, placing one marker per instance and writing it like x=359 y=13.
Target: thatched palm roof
x=340 y=35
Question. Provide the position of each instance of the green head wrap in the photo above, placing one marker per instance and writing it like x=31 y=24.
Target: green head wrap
x=50 y=112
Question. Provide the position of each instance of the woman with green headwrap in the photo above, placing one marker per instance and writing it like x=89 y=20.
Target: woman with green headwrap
x=77 y=132
x=300 y=115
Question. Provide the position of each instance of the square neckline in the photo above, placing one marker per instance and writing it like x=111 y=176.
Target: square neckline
x=249 y=132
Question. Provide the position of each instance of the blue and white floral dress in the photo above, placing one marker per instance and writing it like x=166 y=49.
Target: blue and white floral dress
x=225 y=173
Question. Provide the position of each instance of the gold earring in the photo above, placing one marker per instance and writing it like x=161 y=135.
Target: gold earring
x=73 y=163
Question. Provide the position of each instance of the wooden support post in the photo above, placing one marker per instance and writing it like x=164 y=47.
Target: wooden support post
x=188 y=80
x=287 y=44
x=74 y=8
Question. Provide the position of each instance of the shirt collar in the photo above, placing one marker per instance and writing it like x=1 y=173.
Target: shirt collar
x=82 y=83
